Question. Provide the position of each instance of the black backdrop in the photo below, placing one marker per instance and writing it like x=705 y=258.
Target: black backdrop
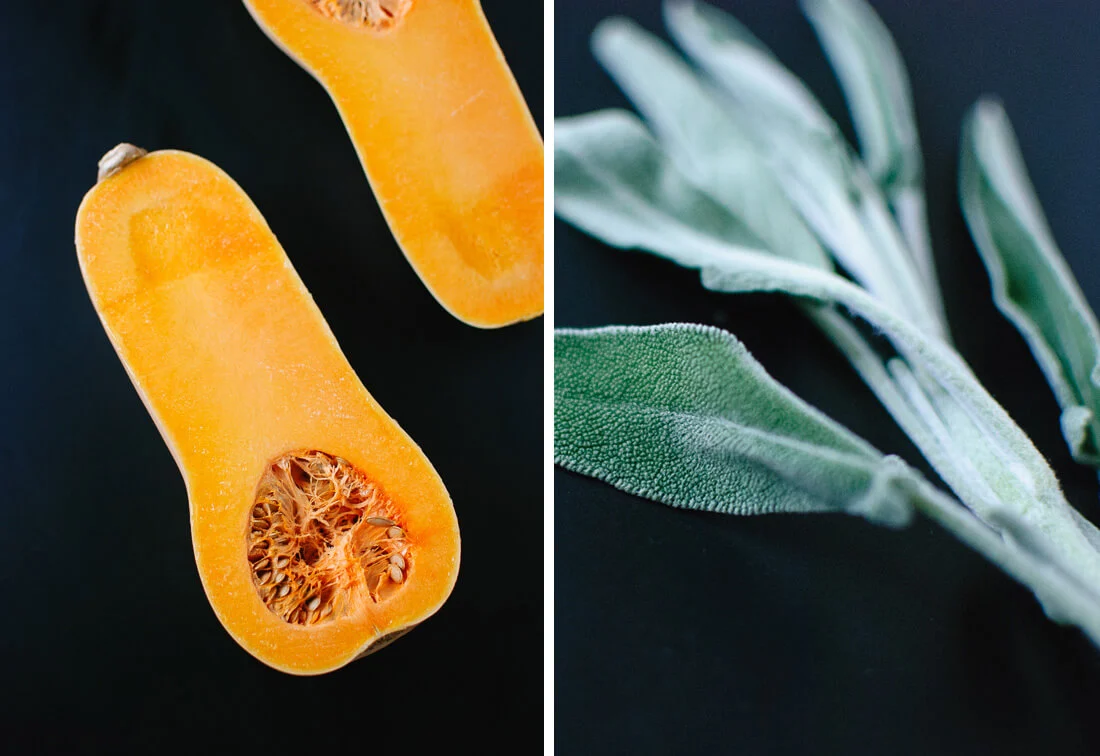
x=107 y=641
x=687 y=633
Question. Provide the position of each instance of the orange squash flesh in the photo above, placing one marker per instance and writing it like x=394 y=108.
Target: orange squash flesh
x=237 y=366
x=445 y=138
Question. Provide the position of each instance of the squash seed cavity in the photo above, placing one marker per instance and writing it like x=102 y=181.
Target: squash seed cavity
x=372 y=14
x=323 y=539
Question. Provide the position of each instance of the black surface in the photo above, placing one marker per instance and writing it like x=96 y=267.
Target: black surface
x=686 y=633
x=107 y=641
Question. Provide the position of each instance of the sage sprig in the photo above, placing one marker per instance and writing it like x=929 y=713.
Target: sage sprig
x=746 y=178
x=684 y=415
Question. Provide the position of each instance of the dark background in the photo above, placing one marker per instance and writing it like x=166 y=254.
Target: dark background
x=107 y=641
x=690 y=633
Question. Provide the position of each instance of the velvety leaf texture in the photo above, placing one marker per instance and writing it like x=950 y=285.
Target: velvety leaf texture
x=875 y=84
x=684 y=415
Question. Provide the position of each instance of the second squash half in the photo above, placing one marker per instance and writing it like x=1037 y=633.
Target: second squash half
x=443 y=133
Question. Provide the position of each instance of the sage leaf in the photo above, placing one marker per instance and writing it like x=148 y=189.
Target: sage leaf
x=1032 y=284
x=684 y=415
x=876 y=86
x=701 y=138
x=613 y=181
x=912 y=413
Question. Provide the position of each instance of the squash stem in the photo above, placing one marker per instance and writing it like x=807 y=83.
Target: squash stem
x=117 y=158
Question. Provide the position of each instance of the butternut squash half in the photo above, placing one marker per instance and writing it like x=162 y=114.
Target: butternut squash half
x=321 y=531
x=444 y=136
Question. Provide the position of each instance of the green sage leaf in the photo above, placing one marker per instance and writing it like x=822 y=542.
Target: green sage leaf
x=684 y=415
x=1032 y=284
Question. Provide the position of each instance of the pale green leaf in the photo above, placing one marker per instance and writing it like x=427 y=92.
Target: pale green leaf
x=750 y=272
x=684 y=415
x=1032 y=284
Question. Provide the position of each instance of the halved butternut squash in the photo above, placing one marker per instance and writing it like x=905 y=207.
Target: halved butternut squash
x=321 y=531
x=444 y=136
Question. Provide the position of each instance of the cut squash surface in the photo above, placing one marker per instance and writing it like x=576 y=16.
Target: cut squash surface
x=320 y=529
x=443 y=133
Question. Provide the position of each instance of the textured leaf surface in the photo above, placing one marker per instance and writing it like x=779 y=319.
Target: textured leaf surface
x=684 y=415
x=1032 y=284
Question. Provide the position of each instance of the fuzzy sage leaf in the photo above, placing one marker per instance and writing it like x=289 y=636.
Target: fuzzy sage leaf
x=684 y=415
x=1032 y=284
